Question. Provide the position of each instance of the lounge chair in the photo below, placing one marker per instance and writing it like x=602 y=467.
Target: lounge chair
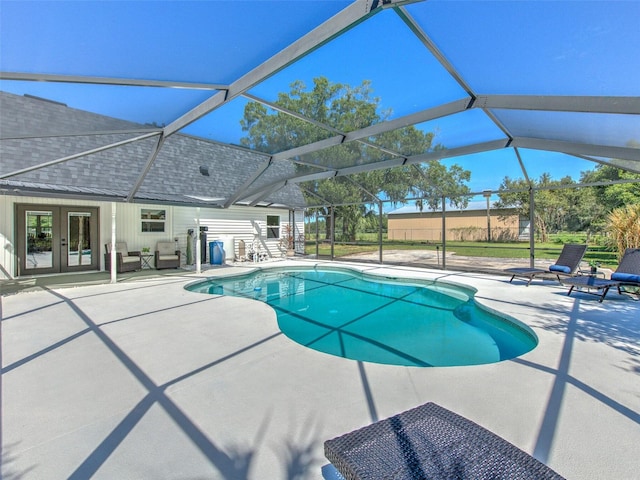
x=430 y=442
x=566 y=265
x=166 y=255
x=126 y=261
x=626 y=275
x=628 y=271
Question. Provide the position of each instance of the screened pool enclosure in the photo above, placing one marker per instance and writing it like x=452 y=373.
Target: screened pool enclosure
x=371 y=103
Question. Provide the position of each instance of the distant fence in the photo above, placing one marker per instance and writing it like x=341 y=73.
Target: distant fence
x=459 y=234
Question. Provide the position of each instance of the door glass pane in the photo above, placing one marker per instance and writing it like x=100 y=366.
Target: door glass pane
x=39 y=233
x=79 y=235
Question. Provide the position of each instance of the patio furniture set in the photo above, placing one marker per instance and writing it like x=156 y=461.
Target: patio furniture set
x=566 y=269
x=165 y=256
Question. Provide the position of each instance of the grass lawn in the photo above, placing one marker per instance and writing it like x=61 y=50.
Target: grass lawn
x=469 y=249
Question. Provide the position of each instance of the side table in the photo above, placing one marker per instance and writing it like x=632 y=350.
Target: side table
x=586 y=283
x=590 y=273
x=147 y=260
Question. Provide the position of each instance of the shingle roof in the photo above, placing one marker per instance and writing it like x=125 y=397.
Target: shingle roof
x=56 y=131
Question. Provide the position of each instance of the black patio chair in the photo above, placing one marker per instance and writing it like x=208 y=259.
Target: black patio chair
x=626 y=275
x=566 y=265
x=628 y=272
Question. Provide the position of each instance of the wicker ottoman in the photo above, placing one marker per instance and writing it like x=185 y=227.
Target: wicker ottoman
x=430 y=442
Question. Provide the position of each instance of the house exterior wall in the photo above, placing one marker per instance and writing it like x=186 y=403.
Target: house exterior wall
x=470 y=225
x=236 y=222
x=8 y=260
x=241 y=223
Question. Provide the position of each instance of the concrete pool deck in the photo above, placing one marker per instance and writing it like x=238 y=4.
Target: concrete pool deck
x=144 y=380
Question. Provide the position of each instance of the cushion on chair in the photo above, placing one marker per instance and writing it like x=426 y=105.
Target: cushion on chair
x=559 y=268
x=121 y=247
x=625 y=277
x=128 y=259
x=167 y=257
x=166 y=248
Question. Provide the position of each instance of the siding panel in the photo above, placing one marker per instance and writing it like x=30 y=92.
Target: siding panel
x=239 y=222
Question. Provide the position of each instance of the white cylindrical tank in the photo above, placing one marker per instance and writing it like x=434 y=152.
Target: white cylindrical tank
x=229 y=246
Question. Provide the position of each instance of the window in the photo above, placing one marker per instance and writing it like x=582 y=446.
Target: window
x=273 y=226
x=153 y=220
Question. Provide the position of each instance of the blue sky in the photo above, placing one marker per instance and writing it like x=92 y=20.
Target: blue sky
x=510 y=47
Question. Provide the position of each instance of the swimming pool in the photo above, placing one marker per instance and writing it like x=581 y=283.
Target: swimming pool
x=377 y=319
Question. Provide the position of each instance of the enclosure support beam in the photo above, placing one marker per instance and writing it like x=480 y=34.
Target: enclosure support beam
x=114 y=258
x=258 y=198
x=254 y=176
x=198 y=246
x=333 y=232
x=380 y=228
x=487 y=195
x=347 y=18
x=444 y=232
x=561 y=103
x=532 y=243
x=128 y=82
x=435 y=51
x=522 y=167
x=374 y=197
x=78 y=155
x=317 y=236
x=396 y=162
x=150 y=161
x=324 y=201
x=573 y=148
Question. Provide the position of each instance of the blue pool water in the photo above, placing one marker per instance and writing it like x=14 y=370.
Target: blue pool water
x=378 y=319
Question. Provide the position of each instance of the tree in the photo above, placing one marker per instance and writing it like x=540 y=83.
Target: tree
x=614 y=195
x=563 y=205
x=555 y=201
x=345 y=108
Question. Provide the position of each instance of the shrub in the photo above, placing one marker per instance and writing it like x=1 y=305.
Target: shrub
x=624 y=227
x=561 y=238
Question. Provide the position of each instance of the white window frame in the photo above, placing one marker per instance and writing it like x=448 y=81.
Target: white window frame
x=146 y=217
x=273 y=231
